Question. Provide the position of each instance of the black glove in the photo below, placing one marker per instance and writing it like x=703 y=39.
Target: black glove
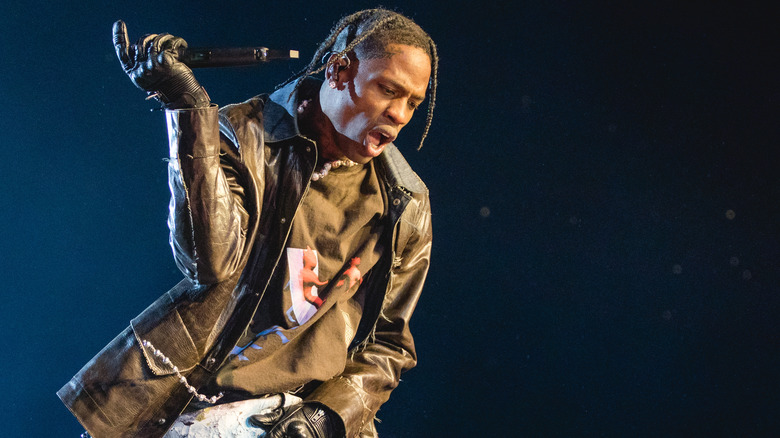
x=306 y=420
x=153 y=65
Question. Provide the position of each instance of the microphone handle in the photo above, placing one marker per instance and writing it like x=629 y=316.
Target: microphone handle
x=202 y=57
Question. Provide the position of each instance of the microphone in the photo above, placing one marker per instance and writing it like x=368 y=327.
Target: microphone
x=202 y=57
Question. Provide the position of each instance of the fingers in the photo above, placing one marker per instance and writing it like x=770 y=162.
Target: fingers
x=147 y=51
x=159 y=44
x=120 y=43
x=178 y=43
x=143 y=44
x=139 y=52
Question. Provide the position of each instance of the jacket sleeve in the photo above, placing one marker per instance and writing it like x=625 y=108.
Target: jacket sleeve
x=207 y=218
x=373 y=370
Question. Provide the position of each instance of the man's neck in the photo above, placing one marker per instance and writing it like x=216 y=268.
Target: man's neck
x=314 y=124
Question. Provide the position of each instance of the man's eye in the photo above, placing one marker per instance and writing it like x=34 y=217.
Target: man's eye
x=388 y=91
x=413 y=105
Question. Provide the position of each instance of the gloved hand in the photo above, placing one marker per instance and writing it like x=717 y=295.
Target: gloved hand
x=153 y=65
x=306 y=420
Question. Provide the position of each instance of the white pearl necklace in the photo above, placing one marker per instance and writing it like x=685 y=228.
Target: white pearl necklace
x=329 y=165
x=332 y=165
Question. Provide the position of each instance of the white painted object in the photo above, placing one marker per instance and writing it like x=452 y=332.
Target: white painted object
x=228 y=420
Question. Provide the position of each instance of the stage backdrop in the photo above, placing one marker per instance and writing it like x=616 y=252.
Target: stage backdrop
x=604 y=187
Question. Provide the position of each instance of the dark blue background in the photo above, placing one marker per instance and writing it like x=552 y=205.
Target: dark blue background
x=589 y=277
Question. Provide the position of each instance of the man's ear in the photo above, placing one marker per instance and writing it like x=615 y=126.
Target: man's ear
x=335 y=73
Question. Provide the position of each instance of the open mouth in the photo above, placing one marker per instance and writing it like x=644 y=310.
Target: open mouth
x=379 y=138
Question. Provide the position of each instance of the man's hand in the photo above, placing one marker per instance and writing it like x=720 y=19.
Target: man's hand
x=307 y=420
x=152 y=63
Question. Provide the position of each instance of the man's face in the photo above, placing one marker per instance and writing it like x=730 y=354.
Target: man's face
x=375 y=98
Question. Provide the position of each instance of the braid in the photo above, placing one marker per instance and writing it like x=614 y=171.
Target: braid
x=433 y=85
x=369 y=32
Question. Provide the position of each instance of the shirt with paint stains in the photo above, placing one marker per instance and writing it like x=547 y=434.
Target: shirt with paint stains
x=310 y=313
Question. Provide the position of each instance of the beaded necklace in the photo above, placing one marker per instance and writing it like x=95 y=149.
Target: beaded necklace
x=326 y=168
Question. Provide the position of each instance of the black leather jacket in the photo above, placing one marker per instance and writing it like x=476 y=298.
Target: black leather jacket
x=237 y=177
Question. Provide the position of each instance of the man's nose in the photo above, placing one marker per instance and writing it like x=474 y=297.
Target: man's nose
x=399 y=112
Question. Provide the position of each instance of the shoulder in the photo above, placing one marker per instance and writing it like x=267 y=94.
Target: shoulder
x=237 y=118
x=398 y=172
x=416 y=217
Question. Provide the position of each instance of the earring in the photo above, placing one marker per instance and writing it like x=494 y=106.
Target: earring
x=332 y=84
x=303 y=105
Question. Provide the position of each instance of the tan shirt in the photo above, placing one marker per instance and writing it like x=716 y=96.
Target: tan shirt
x=311 y=311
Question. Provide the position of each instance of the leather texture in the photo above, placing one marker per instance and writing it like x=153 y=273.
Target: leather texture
x=237 y=177
x=153 y=65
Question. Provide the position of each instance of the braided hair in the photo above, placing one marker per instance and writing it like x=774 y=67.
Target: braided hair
x=368 y=33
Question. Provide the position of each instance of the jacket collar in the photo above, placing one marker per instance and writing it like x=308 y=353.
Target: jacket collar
x=280 y=119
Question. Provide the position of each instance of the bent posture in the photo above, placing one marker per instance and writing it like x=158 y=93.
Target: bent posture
x=304 y=182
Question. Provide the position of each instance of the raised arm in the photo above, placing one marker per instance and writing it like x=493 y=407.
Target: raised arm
x=207 y=219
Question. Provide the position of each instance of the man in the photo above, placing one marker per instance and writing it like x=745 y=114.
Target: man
x=304 y=238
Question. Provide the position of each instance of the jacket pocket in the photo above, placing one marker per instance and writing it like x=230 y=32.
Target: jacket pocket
x=161 y=326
